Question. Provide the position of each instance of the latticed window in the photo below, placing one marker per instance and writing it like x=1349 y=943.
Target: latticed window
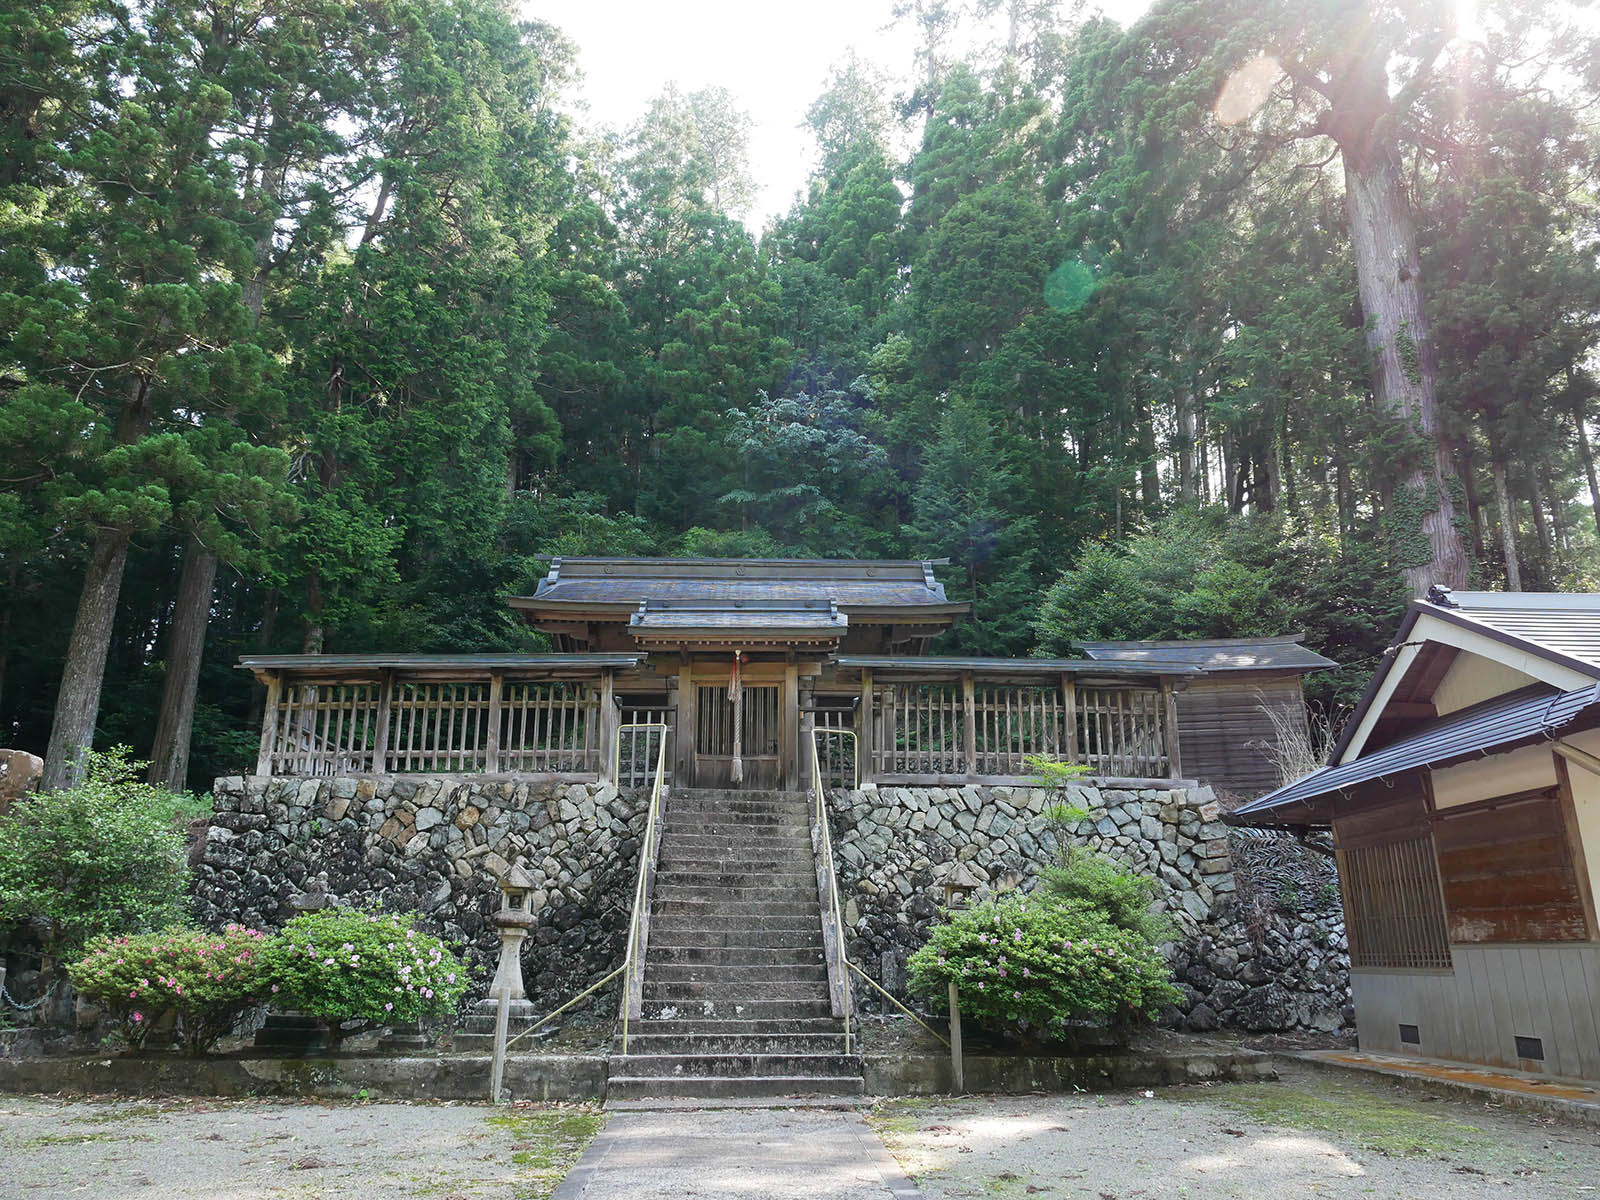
x=1394 y=912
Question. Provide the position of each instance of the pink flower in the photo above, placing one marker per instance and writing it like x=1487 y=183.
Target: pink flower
x=138 y=1016
x=388 y=1006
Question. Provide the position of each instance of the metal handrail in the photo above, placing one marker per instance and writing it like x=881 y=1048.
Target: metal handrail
x=647 y=857
x=855 y=756
x=833 y=879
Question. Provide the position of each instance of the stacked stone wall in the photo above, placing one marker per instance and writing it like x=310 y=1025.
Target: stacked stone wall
x=435 y=846
x=1262 y=948
x=1251 y=954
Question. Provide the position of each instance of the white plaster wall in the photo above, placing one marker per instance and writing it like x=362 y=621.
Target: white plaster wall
x=1473 y=678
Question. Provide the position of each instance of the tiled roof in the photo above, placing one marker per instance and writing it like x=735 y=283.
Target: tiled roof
x=1283 y=653
x=849 y=582
x=1566 y=622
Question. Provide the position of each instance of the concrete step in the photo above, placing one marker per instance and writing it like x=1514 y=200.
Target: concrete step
x=781 y=861
x=709 y=1065
x=792 y=891
x=727 y=991
x=731 y=828
x=729 y=1043
x=731 y=956
x=644 y=1087
x=738 y=884
x=752 y=974
x=741 y=1027
x=680 y=933
x=707 y=1009
x=739 y=794
x=692 y=802
x=695 y=902
x=696 y=845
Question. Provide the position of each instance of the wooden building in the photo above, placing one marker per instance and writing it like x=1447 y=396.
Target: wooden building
x=827 y=644
x=1229 y=716
x=1464 y=800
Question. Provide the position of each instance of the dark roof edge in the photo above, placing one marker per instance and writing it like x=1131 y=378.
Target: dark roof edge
x=1076 y=666
x=283 y=662
x=1265 y=804
x=1277 y=639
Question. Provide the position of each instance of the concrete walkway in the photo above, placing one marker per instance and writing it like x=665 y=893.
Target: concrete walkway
x=759 y=1154
x=1509 y=1089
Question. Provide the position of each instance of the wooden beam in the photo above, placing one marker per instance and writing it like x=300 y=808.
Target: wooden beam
x=1169 y=701
x=1580 y=862
x=610 y=718
x=1069 y=708
x=969 y=734
x=683 y=743
x=491 y=740
x=269 y=724
x=865 y=720
x=380 y=735
x=789 y=732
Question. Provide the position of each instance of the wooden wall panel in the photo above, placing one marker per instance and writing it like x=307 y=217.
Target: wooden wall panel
x=1507 y=873
x=1221 y=726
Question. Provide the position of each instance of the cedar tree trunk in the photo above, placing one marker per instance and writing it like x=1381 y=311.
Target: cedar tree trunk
x=169 y=758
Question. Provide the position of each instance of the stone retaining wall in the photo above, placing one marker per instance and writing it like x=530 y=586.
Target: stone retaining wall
x=1248 y=960
x=1256 y=953
x=435 y=846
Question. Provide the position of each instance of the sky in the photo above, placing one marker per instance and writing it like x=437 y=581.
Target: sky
x=773 y=58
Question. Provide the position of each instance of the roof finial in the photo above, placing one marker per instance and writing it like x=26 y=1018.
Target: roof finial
x=1440 y=595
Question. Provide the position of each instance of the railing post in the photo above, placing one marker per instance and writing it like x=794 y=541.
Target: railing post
x=1170 y=704
x=491 y=740
x=864 y=739
x=969 y=734
x=1069 y=713
x=269 y=724
x=380 y=735
x=609 y=728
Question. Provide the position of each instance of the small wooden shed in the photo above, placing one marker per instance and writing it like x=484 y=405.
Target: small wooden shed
x=1464 y=800
x=1228 y=716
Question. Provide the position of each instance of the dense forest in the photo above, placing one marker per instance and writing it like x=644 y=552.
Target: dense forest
x=320 y=323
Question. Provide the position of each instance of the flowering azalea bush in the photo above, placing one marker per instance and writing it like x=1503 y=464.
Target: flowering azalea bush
x=203 y=980
x=1044 y=969
x=371 y=967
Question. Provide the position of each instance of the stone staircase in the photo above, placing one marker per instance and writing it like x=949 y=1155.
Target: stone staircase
x=735 y=986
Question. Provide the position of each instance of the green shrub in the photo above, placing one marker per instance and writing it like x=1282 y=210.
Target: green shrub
x=1044 y=970
x=204 y=980
x=101 y=856
x=1122 y=895
x=370 y=967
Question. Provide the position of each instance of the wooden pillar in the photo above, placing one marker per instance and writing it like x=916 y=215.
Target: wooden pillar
x=491 y=740
x=269 y=724
x=864 y=732
x=380 y=735
x=969 y=734
x=1169 y=701
x=609 y=720
x=789 y=748
x=683 y=766
x=1069 y=714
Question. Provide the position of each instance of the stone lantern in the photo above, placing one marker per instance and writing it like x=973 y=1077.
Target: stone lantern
x=513 y=920
x=959 y=884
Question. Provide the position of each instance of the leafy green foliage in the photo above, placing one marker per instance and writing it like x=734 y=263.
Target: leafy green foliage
x=345 y=964
x=1044 y=969
x=204 y=980
x=100 y=856
x=1124 y=897
x=337 y=291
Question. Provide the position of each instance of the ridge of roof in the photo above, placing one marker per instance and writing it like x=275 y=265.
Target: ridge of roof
x=1271 y=639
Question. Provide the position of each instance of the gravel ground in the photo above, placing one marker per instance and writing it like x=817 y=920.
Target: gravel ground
x=238 y=1150
x=1310 y=1134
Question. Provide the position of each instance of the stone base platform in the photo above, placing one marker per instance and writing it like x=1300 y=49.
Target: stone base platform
x=579 y=1076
